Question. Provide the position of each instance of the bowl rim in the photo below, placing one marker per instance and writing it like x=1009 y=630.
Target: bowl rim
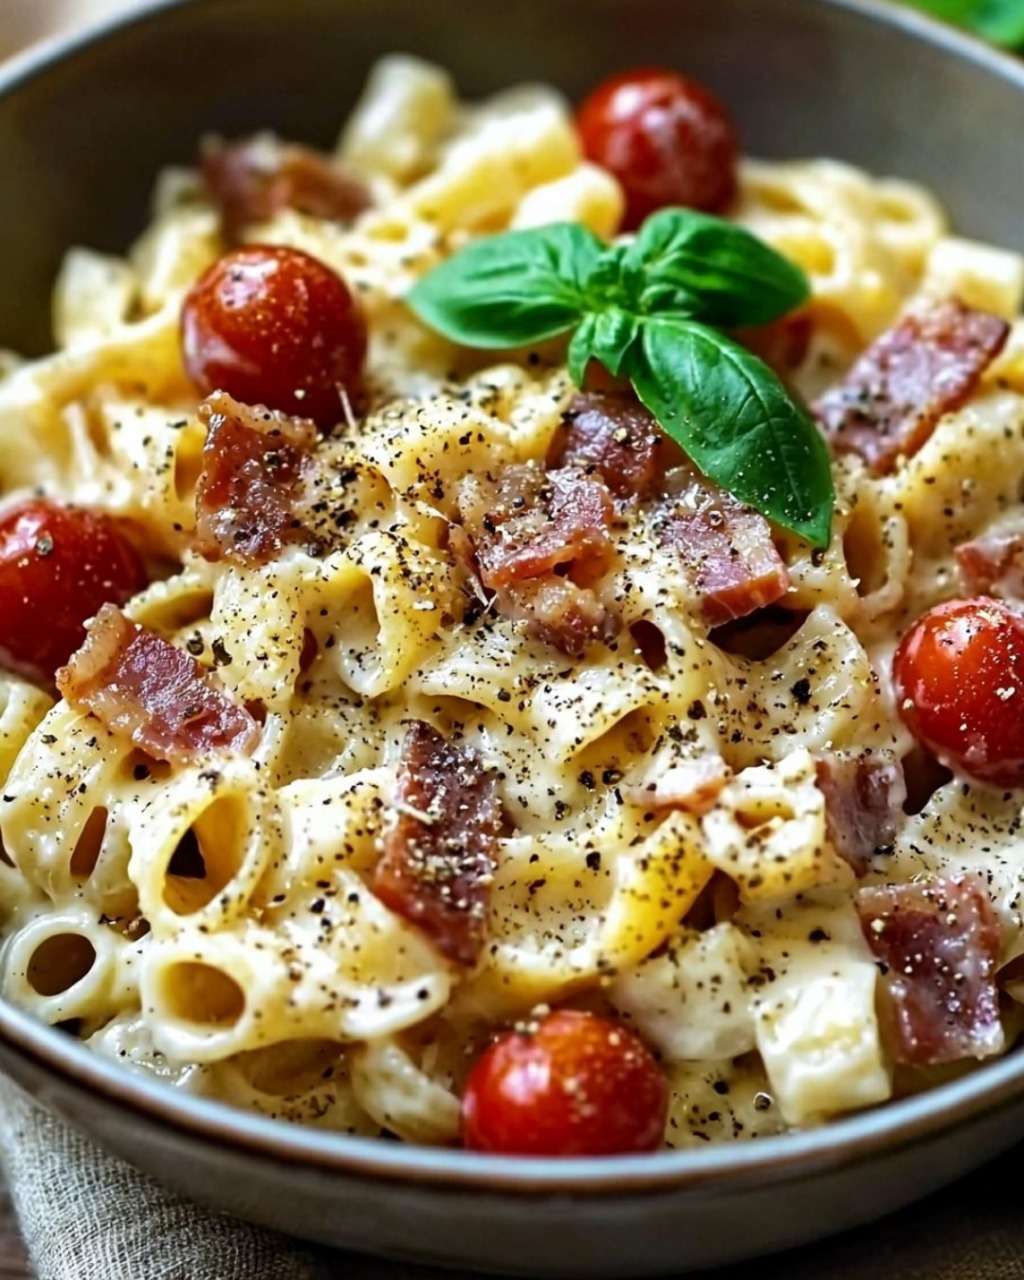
x=849 y=1140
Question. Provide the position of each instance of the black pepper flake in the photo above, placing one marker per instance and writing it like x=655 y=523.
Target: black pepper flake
x=221 y=657
x=801 y=691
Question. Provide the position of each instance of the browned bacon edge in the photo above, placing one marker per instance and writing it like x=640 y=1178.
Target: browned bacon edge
x=611 y=435
x=254 y=178
x=146 y=689
x=864 y=797
x=926 y=366
x=726 y=548
x=937 y=943
x=439 y=856
x=253 y=460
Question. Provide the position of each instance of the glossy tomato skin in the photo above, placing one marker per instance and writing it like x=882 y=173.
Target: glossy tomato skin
x=577 y=1085
x=275 y=326
x=667 y=139
x=58 y=565
x=959 y=680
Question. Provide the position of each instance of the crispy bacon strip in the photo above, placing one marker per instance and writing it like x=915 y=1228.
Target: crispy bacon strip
x=925 y=366
x=254 y=178
x=938 y=945
x=863 y=805
x=252 y=467
x=530 y=522
x=524 y=526
x=693 y=785
x=993 y=565
x=146 y=689
x=726 y=547
x=439 y=856
x=558 y=612
x=613 y=436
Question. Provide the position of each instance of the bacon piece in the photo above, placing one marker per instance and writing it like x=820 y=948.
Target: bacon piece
x=558 y=612
x=530 y=522
x=993 y=565
x=925 y=366
x=938 y=944
x=523 y=527
x=726 y=547
x=144 y=688
x=863 y=805
x=252 y=465
x=613 y=436
x=439 y=856
x=254 y=178
x=693 y=785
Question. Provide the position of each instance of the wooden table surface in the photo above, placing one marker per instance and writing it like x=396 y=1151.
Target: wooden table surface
x=13 y=1263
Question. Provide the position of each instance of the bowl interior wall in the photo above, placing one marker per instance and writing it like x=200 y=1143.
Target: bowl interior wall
x=81 y=140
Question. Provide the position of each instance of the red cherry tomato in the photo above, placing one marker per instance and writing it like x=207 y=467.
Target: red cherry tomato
x=959 y=678
x=57 y=566
x=667 y=139
x=579 y=1085
x=275 y=326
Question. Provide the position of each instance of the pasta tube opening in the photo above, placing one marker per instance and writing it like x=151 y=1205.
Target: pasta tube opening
x=200 y=994
x=59 y=963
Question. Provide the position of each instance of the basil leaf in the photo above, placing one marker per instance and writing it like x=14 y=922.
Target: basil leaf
x=606 y=336
x=510 y=289
x=710 y=268
x=581 y=348
x=1001 y=21
x=603 y=282
x=736 y=421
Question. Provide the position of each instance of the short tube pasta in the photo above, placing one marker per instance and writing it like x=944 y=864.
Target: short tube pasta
x=484 y=756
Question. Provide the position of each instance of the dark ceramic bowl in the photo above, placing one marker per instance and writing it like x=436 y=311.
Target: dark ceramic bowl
x=84 y=125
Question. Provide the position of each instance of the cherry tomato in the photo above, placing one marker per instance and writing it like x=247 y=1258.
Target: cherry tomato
x=57 y=566
x=578 y=1085
x=959 y=678
x=275 y=326
x=667 y=139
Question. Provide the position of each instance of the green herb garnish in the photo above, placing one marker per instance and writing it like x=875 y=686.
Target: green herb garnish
x=999 y=20
x=652 y=311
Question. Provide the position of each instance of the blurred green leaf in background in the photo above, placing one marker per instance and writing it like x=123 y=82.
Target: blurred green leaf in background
x=1001 y=21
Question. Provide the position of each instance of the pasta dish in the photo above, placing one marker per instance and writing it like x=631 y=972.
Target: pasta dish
x=511 y=634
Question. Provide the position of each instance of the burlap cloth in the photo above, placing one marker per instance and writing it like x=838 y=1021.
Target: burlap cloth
x=87 y=1216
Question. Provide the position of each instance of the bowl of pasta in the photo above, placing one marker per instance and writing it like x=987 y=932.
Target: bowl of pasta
x=511 y=632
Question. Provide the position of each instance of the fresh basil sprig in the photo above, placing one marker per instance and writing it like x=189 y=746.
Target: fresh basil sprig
x=652 y=310
x=998 y=20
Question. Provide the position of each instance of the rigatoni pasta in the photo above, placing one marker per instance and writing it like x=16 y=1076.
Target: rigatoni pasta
x=668 y=849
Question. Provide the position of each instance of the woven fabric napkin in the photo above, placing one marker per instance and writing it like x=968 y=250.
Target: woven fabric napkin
x=88 y=1216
